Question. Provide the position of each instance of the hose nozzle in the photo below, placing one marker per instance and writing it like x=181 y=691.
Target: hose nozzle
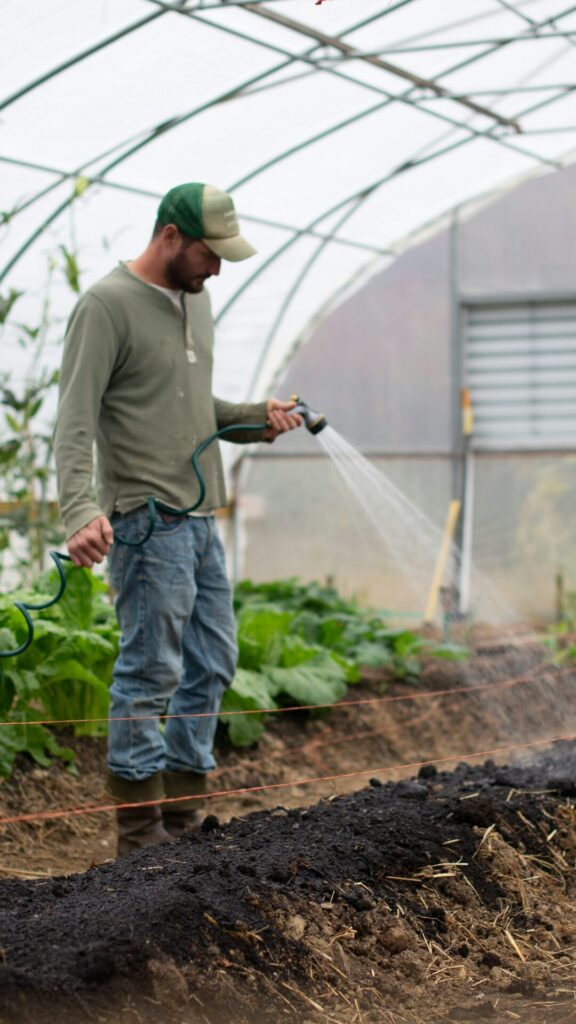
x=313 y=421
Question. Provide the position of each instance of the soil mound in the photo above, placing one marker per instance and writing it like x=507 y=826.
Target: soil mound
x=444 y=897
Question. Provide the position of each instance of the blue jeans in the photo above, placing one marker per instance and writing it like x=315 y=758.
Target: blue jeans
x=178 y=646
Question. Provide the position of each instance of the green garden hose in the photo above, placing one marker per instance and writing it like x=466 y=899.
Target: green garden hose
x=154 y=506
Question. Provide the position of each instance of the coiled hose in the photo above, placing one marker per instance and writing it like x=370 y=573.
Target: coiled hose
x=154 y=506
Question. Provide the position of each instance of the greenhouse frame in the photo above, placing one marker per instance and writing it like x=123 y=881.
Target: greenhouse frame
x=404 y=172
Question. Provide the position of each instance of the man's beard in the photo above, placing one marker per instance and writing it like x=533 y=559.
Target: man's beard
x=178 y=275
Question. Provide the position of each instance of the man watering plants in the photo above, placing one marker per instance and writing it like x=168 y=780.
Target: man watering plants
x=136 y=380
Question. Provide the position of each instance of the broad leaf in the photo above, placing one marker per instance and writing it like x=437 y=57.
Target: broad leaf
x=261 y=631
x=373 y=655
x=249 y=692
x=320 y=681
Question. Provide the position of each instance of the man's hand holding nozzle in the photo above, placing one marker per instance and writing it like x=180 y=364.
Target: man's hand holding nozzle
x=280 y=419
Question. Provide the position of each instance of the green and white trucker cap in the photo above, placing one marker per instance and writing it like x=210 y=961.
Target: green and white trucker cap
x=202 y=211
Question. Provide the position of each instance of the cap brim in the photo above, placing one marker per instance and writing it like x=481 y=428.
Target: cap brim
x=233 y=249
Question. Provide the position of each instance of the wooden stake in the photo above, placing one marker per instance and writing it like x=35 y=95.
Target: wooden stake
x=451 y=520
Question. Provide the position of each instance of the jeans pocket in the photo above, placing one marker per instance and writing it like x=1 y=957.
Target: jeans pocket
x=168 y=523
x=130 y=527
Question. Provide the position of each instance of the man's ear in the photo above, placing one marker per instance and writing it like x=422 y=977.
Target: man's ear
x=170 y=235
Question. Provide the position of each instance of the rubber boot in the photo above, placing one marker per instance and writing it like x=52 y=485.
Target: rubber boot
x=184 y=815
x=138 y=827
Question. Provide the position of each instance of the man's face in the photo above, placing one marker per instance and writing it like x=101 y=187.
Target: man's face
x=191 y=265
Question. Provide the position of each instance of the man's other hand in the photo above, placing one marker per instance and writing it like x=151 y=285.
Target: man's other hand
x=279 y=418
x=92 y=543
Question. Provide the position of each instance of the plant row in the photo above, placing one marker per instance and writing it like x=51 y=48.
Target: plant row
x=299 y=646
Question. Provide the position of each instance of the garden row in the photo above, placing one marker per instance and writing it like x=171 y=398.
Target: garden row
x=299 y=645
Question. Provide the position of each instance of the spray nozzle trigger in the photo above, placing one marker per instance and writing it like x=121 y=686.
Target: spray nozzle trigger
x=313 y=421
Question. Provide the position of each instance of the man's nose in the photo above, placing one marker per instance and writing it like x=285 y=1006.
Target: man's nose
x=216 y=264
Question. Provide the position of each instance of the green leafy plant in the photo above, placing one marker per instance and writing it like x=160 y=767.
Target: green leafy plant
x=26 y=435
x=64 y=674
x=304 y=644
x=26 y=471
x=278 y=667
x=560 y=642
x=71 y=268
x=6 y=303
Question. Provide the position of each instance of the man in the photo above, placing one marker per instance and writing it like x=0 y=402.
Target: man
x=137 y=379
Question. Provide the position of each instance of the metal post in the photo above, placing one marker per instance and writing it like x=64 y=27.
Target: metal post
x=455 y=352
x=467 y=518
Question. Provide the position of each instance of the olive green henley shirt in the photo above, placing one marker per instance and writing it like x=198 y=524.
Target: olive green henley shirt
x=136 y=379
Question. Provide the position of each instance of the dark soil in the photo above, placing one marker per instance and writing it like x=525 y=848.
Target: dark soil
x=441 y=898
x=437 y=897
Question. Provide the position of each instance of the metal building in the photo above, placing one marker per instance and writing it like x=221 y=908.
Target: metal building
x=489 y=304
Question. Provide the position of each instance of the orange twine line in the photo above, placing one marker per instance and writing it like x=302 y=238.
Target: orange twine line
x=101 y=808
x=422 y=695
x=309 y=748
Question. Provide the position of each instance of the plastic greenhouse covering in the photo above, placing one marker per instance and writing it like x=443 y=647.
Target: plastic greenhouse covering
x=344 y=129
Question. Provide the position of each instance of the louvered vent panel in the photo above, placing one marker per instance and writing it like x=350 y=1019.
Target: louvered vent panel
x=520 y=367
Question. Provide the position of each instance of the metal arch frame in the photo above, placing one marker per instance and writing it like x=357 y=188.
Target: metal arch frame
x=450 y=70
x=148 y=193
x=405 y=97
x=292 y=58
x=61 y=176
x=181 y=8
x=77 y=59
x=556 y=130
x=338 y=43
x=308 y=142
x=563 y=90
x=499 y=46
x=286 y=245
x=544 y=103
x=448 y=26
x=359 y=197
x=525 y=17
x=296 y=148
x=165 y=8
x=352 y=202
x=353 y=119
x=520 y=90
x=238 y=89
x=513 y=10
x=460 y=44
x=392 y=97
x=151 y=135
x=351 y=53
x=203 y=5
x=328 y=303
